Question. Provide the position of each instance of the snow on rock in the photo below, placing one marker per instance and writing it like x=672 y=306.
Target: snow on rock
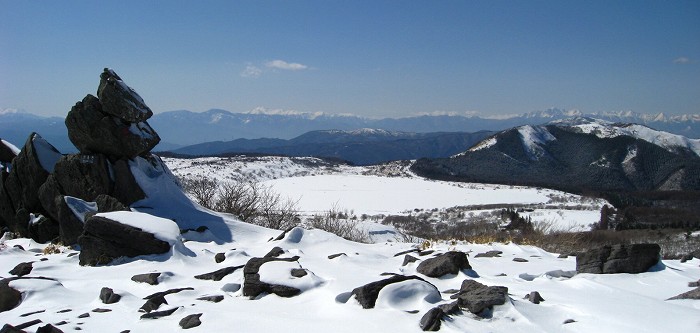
x=46 y=153
x=80 y=207
x=165 y=198
x=280 y=273
x=482 y=145
x=409 y=295
x=12 y=147
x=163 y=229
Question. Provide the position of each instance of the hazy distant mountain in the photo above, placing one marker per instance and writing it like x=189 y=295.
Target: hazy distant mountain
x=182 y=128
x=362 y=147
x=577 y=154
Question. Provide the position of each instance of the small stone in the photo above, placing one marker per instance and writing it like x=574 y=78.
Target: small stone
x=220 y=257
x=158 y=314
x=191 y=321
x=32 y=313
x=534 y=297
x=298 y=272
x=150 y=278
x=333 y=256
x=213 y=298
x=107 y=296
x=84 y=315
x=569 y=321
x=489 y=254
x=218 y=274
x=153 y=304
x=100 y=310
x=520 y=260
x=432 y=320
x=407 y=259
x=694 y=284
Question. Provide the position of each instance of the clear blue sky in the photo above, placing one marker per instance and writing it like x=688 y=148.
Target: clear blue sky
x=372 y=58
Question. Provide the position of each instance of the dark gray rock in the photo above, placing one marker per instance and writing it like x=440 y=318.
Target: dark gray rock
x=70 y=227
x=22 y=269
x=191 y=321
x=107 y=296
x=448 y=263
x=120 y=100
x=218 y=274
x=621 y=258
x=432 y=320
x=450 y=308
x=43 y=229
x=213 y=298
x=48 y=328
x=299 y=272
x=693 y=294
x=167 y=292
x=367 y=295
x=477 y=297
x=101 y=310
x=7 y=328
x=333 y=256
x=274 y=253
x=84 y=176
x=9 y=297
x=6 y=154
x=105 y=240
x=489 y=254
x=534 y=297
x=694 y=284
x=520 y=260
x=153 y=303
x=126 y=190
x=407 y=252
x=252 y=286
x=407 y=259
x=158 y=314
x=92 y=130
x=219 y=257
x=150 y=278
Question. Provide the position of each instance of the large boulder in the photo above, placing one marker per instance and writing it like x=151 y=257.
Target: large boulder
x=448 y=263
x=93 y=131
x=367 y=295
x=120 y=100
x=84 y=176
x=621 y=258
x=28 y=172
x=477 y=297
x=105 y=239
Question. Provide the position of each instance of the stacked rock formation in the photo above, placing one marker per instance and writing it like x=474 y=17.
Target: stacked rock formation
x=49 y=196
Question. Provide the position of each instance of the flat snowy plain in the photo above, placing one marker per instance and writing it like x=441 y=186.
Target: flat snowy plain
x=595 y=303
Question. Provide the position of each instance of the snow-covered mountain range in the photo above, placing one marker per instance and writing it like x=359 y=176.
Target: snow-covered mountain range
x=182 y=128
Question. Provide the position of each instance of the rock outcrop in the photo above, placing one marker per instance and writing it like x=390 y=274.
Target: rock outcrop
x=621 y=258
x=367 y=295
x=47 y=196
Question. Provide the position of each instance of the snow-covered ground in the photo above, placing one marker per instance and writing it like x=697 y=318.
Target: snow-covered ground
x=318 y=188
x=582 y=303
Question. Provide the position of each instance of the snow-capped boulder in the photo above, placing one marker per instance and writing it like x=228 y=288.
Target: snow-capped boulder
x=367 y=295
x=620 y=258
x=120 y=100
x=93 y=131
x=108 y=236
x=274 y=276
x=448 y=263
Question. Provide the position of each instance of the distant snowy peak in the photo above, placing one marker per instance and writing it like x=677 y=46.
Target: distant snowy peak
x=606 y=129
x=284 y=112
x=368 y=132
x=553 y=113
x=534 y=139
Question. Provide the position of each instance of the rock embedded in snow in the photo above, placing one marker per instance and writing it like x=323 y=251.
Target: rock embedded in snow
x=48 y=328
x=191 y=321
x=407 y=259
x=150 y=278
x=489 y=254
x=448 y=263
x=336 y=255
x=367 y=294
x=107 y=296
x=159 y=314
x=9 y=297
x=693 y=294
x=477 y=297
x=253 y=286
x=212 y=298
x=108 y=236
x=153 y=303
x=218 y=274
x=22 y=269
x=534 y=297
x=219 y=257
x=432 y=320
x=621 y=258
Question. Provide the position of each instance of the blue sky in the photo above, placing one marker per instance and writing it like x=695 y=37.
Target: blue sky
x=371 y=58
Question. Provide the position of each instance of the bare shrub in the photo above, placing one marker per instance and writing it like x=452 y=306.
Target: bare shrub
x=336 y=222
x=248 y=200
